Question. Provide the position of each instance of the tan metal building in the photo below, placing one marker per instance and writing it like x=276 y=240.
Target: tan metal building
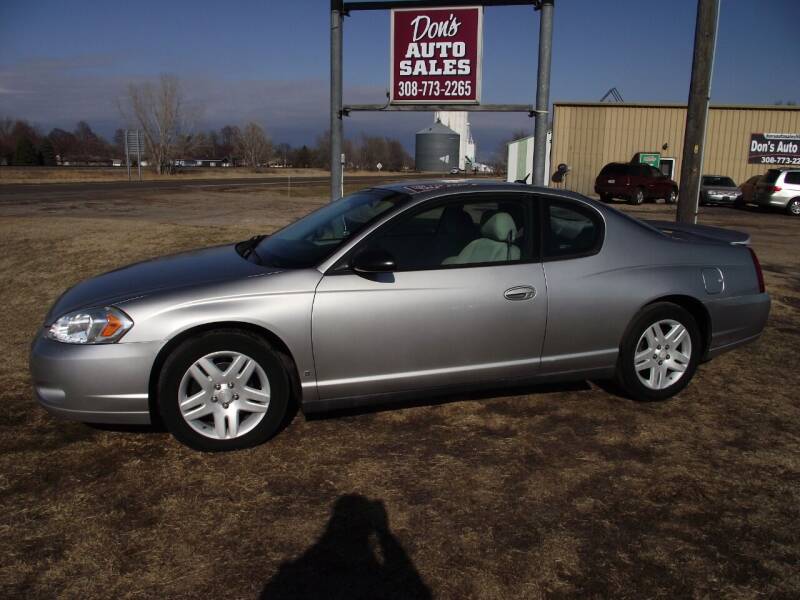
x=588 y=135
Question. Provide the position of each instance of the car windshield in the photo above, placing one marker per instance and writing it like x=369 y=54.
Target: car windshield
x=305 y=243
x=715 y=180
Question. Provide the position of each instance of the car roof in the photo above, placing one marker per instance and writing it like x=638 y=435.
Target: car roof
x=436 y=187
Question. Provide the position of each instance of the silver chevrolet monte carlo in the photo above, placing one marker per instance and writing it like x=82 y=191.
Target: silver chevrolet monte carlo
x=398 y=291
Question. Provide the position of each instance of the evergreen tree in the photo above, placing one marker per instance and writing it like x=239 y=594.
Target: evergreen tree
x=25 y=153
x=303 y=159
x=48 y=153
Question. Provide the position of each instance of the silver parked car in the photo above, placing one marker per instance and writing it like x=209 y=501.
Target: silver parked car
x=718 y=189
x=780 y=189
x=398 y=291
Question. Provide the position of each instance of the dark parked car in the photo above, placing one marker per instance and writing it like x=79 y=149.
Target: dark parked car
x=718 y=189
x=635 y=182
x=748 y=191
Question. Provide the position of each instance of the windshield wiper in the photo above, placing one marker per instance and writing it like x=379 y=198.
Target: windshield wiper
x=247 y=247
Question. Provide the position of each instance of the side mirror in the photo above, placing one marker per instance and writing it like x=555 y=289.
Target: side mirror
x=373 y=261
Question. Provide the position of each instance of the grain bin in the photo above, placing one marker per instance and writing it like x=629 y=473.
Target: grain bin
x=437 y=149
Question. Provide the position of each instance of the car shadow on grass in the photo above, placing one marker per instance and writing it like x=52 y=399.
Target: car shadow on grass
x=357 y=556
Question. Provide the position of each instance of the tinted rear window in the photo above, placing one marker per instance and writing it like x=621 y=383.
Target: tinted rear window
x=771 y=176
x=614 y=169
x=793 y=177
x=713 y=180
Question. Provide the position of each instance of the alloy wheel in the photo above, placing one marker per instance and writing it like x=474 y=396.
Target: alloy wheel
x=224 y=395
x=662 y=354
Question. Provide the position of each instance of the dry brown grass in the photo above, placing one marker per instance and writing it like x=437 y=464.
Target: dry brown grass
x=10 y=175
x=564 y=491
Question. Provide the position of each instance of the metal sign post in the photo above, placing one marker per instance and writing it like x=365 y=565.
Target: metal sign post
x=425 y=22
x=134 y=143
x=139 y=153
x=337 y=18
x=127 y=155
x=542 y=91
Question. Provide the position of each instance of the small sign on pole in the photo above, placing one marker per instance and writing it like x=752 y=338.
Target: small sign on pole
x=379 y=166
x=134 y=144
x=436 y=55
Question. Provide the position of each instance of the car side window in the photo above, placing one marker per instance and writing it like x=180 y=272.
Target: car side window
x=793 y=177
x=571 y=230
x=467 y=232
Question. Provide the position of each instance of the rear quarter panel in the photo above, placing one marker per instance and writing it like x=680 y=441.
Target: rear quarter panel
x=593 y=299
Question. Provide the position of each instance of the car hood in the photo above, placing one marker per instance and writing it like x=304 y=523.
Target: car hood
x=221 y=263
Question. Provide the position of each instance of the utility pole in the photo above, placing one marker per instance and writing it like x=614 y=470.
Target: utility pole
x=705 y=35
x=337 y=18
x=542 y=91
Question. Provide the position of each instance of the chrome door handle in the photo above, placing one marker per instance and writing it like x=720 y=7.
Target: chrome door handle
x=520 y=292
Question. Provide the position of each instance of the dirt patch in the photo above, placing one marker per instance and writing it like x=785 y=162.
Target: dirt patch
x=550 y=491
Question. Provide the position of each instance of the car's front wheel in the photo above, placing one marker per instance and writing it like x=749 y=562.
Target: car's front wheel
x=223 y=390
x=793 y=208
x=660 y=352
x=672 y=198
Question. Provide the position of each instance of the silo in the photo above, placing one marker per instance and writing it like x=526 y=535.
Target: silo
x=436 y=149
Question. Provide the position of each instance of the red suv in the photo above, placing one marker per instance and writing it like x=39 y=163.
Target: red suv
x=636 y=182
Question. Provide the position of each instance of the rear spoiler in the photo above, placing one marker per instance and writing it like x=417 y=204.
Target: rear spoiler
x=705 y=232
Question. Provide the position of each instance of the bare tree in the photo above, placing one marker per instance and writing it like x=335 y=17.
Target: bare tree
x=253 y=145
x=159 y=111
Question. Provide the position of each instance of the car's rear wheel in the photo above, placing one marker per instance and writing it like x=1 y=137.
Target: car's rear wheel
x=607 y=198
x=638 y=197
x=223 y=390
x=793 y=208
x=660 y=352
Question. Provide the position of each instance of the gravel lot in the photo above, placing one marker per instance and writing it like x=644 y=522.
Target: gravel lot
x=557 y=491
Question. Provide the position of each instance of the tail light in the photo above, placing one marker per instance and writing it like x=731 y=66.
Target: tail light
x=774 y=188
x=759 y=273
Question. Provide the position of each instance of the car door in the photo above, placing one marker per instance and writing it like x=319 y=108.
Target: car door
x=580 y=289
x=461 y=306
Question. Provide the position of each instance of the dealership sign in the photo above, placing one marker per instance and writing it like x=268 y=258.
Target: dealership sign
x=774 y=149
x=436 y=55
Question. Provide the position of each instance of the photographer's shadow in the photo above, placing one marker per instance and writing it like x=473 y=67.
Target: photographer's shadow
x=356 y=557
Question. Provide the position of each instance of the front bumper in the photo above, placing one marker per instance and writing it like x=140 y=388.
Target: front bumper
x=103 y=383
x=728 y=200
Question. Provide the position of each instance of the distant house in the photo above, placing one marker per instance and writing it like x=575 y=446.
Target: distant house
x=201 y=162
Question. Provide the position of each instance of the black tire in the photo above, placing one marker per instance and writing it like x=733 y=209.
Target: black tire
x=793 y=208
x=607 y=198
x=626 y=374
x=672 y=198
x=638 y=197
x=233 y=340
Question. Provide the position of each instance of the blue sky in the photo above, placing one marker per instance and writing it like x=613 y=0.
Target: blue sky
x=268 y=61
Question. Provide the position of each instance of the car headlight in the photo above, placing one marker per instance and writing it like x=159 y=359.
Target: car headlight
x=91 y=326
